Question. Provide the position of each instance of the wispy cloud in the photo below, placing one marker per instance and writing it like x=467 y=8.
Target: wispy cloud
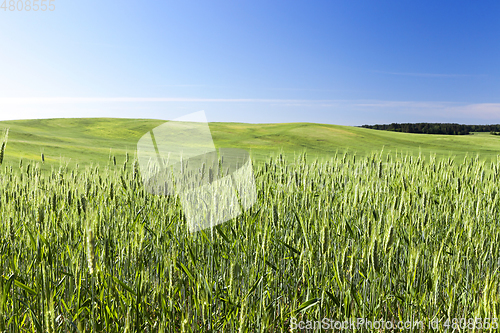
x=59 y=100
x=406 y=104
x=180 y=85
x=484 y=111
x=252 y=109
x=436 y=75
x=450 y=110
x=309 y=89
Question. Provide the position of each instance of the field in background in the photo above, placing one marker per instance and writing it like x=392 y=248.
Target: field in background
x=93 y=140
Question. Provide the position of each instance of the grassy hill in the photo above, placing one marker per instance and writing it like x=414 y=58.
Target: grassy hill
x=94 y=140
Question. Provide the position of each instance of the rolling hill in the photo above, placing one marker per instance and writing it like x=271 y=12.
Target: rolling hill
x=94 y=140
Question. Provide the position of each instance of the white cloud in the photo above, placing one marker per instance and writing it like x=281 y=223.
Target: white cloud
x=405 y=104
x=486 y=111
x=58 y=100
x=353 y=112
x=436 y=75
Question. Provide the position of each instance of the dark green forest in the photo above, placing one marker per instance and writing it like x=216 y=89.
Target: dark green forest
x=435 y=128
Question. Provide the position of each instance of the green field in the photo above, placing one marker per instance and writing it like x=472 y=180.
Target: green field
x=94 y=140
x=373 y=235
x=379 y=237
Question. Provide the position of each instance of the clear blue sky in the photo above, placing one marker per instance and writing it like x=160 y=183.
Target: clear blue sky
x=339 y=62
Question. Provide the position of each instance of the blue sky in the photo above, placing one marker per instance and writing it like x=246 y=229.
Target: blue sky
x=338 y=62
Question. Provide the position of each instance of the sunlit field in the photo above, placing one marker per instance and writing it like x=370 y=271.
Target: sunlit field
x=379 y=236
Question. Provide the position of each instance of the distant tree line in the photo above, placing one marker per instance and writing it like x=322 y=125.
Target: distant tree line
x=436 y=128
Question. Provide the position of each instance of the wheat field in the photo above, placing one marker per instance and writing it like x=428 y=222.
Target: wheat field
x=381 y=236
